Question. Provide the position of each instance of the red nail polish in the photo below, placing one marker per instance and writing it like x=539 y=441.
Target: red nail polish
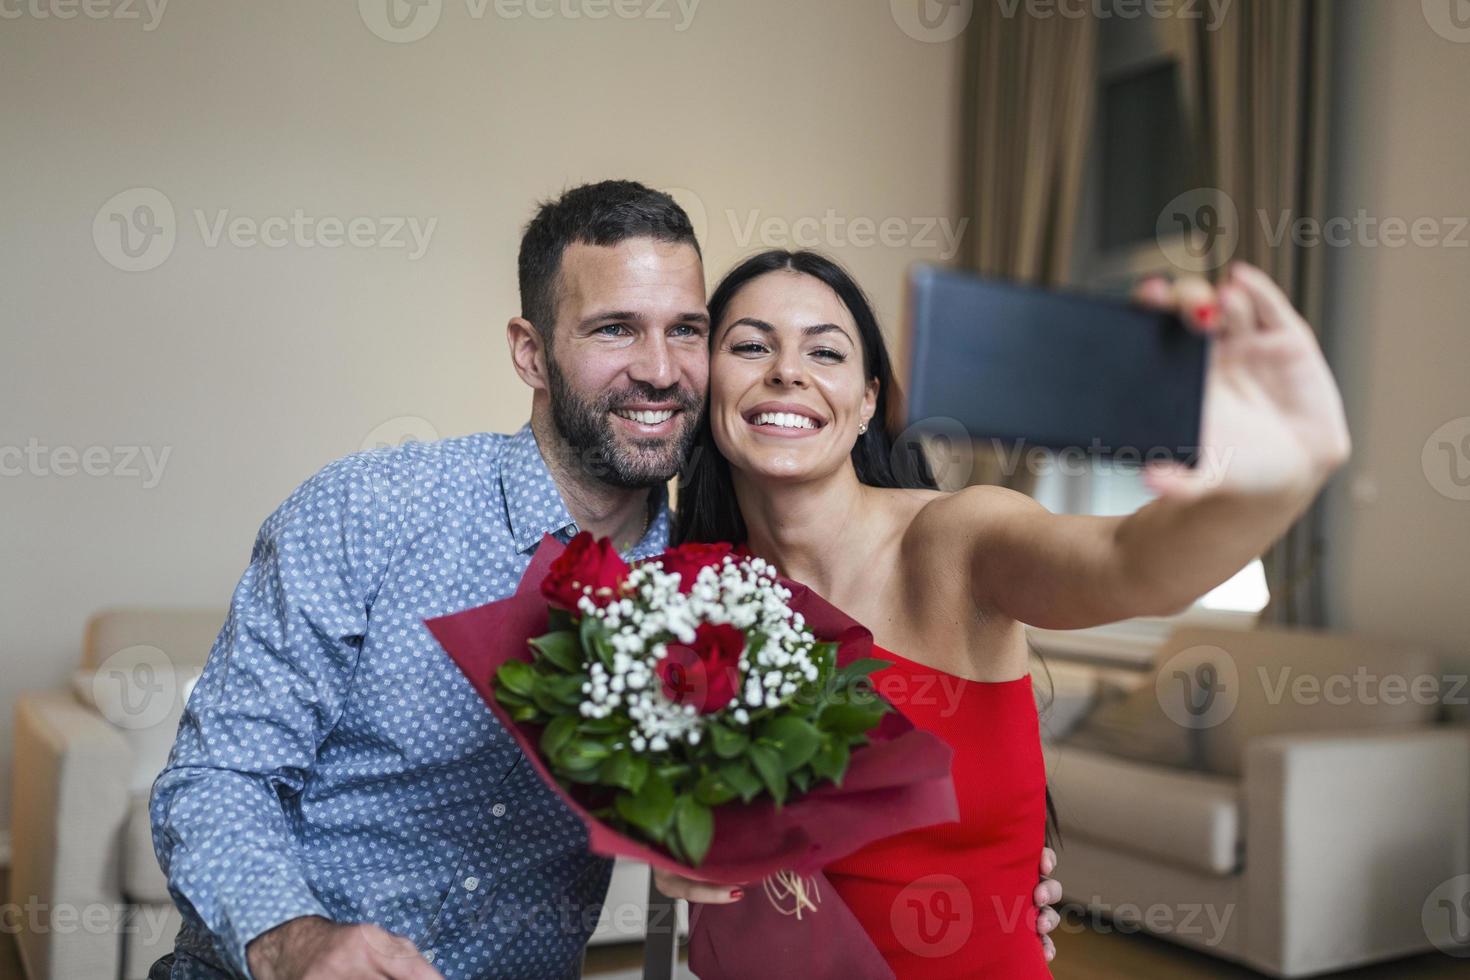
x=737 y=893
x=1206 y=314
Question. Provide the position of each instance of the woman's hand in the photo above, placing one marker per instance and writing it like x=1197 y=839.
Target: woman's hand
x=1273 y=418
x=694 y=890
x=1046 y=894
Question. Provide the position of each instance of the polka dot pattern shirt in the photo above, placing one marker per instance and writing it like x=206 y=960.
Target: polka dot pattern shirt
x=333 y=760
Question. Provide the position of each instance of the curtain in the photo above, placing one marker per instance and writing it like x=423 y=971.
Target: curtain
x=1026 y=113
x=1260 y=81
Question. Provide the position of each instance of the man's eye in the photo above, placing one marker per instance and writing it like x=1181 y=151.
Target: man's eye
x=688 y=330
x=613 y=330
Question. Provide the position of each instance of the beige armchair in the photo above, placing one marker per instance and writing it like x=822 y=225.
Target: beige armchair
x=1296 y=823
x=94 y=904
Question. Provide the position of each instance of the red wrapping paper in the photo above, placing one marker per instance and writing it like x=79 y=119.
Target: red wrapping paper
x=900 y=781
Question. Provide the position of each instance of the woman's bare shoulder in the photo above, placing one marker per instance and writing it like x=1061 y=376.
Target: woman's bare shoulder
x=949 y=515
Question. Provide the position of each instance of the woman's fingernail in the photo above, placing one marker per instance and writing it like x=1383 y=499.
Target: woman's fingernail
x=1205 y=314
x=736 y=894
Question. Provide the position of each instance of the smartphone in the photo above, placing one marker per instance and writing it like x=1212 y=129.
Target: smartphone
x=1054 y=369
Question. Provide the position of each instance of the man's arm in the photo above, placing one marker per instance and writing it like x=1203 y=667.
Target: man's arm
x=275 y=683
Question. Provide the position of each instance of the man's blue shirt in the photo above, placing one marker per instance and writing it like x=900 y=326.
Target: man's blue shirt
x=332 y=760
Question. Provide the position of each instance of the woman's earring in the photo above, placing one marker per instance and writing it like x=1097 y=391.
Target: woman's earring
x=862 y=427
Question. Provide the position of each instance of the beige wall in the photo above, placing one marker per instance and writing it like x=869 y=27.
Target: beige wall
x=253 y=366
x=1400 y=559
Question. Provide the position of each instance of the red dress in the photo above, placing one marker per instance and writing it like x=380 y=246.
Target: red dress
x=955 y=899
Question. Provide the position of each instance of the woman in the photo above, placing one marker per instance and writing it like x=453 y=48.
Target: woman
x=796 y=459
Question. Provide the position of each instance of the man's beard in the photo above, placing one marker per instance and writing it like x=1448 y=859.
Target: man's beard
x=586 y=426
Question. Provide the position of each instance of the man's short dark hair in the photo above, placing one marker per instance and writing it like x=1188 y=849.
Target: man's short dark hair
x=604 y=213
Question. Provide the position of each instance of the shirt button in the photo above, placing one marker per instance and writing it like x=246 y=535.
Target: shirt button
x=428 y=956
x=498 y=809
x=471 y=883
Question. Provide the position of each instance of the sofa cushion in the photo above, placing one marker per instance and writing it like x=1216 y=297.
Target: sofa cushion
x=1225 y=687
x=185 y=636
x=143 y=879
x=1130 y=723
x=1186 y=819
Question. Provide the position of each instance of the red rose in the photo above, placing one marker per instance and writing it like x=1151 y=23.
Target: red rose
x=707 y=673
x=688 y=559
x=585 y=563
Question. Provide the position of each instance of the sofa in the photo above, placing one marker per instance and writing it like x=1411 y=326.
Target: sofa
x=94 y=904
x=1285 y=799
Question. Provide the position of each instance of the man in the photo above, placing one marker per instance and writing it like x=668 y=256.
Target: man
x=339 y=803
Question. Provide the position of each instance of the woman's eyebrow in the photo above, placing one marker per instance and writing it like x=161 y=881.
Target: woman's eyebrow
x=816 y=328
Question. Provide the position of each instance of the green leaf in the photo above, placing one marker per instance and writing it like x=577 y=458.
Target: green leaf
x=713 y=789
x=525 y=712
x=830 y=761
x=651 y=809
x=728 y=743
x=863 y=667
x=611 y=725
x=557 y=734
x=508 y=697
x=626 y=770
x=741 y=779
x=675 y=771
x=767 y=762
x=582 y=754
x=563 y=649
x=594 y=639
x=565 y=689
x=517 y=677
x=696 y=826
x=801 y=779
x=851 y=719
x=544 y=695
x=795 y=739
x=559 y=619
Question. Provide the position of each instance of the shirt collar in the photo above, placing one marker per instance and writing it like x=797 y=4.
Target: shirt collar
x=534 y=506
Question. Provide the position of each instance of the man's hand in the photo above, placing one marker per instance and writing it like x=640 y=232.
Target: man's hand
x=1047 y=894
x=313 y=948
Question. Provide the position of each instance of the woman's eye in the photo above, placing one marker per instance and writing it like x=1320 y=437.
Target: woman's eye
x=828 y=354
x=749 y=347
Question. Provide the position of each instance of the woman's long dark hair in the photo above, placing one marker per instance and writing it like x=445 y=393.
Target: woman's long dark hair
x=707 y=508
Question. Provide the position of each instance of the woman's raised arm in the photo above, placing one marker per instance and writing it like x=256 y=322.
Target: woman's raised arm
x=1273 y=432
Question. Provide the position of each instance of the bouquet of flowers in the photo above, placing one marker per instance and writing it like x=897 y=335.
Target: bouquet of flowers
x=709 y=718
x=681 y=684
